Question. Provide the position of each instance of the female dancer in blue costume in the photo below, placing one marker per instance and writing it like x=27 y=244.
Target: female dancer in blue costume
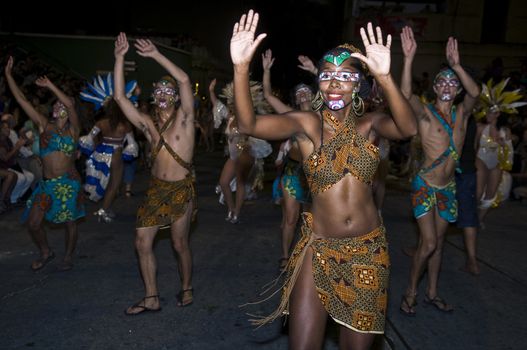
x=292 y=186
x=340 y=267
x=57 y=197
x=104 y=168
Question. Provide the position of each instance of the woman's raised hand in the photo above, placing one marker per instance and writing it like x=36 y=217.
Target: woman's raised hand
x=307 y=65
x=452 y=52
x=212 y=84
x=43 y=81
x=377 y=54
x=408 y=43
x=9 y=66
x=145 y=48
x=121 y=45
x=267 y=59
x=243 y=43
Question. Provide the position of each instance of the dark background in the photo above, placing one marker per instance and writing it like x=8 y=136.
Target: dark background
x=294 y=27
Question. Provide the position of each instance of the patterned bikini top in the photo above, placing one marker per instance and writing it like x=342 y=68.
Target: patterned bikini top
x=346 y=152
x=162 y=143
x=54 y=141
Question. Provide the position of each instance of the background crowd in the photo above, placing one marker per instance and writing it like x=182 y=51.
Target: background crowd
x=20 y=168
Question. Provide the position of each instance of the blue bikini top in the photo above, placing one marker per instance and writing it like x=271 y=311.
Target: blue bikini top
x=52 y=141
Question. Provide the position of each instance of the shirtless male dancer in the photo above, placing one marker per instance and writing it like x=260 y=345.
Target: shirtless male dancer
x=171 y=196
x=442 y=126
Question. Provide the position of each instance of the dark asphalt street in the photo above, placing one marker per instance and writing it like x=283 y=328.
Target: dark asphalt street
x=83 y=308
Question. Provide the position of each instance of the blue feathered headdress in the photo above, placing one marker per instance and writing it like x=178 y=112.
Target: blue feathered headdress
x=101 y=90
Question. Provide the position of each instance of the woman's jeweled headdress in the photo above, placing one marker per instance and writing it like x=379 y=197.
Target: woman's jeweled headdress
x=101 y=90
x=493 y=98
x=338 y=58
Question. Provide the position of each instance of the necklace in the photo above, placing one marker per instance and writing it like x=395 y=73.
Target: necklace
x=330 y=118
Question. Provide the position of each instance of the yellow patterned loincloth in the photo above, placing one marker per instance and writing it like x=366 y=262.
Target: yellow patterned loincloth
x=165 y=202
x=351 y=277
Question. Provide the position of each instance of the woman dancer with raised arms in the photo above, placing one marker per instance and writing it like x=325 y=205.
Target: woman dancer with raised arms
x=340 y=267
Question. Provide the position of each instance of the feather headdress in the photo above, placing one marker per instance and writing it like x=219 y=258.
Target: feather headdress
x=493 y=98
x=260 y=104
x=101 y=90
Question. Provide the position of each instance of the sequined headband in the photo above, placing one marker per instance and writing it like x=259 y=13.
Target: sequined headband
x=343 y=56
x=445 y=73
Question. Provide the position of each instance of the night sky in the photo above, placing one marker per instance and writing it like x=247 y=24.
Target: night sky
x=293 y=26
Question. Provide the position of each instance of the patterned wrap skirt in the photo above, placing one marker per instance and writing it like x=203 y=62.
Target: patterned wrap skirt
x=60 y=198
x=426 y=197
x=351 y=277
x=166 y=201
x=293 y=181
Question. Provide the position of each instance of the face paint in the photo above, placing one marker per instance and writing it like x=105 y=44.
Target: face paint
x=60 y=111
x=338 y=59
x=337 y=86
x=335 y=104
x=446 y=97
x=445 y=93
x=164 y=96
x=165 y=103
x=446 y=78
x=165 y=90
x=302 y=95
x=447 y=82
x=340 y=76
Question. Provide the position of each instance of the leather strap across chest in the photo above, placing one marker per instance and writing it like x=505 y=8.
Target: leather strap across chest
x=451 y=149
x=162 y=143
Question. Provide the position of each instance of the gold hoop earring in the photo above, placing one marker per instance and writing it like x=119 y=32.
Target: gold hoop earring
x=357 y=103
x=317 y=101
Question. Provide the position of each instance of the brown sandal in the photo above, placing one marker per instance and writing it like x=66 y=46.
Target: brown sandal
x=187 y=301
x=142 y=308
x=406 y=307
x=439 y=303
x=41 y=262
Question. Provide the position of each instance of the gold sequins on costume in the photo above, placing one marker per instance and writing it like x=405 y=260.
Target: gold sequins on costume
x=346 y=152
